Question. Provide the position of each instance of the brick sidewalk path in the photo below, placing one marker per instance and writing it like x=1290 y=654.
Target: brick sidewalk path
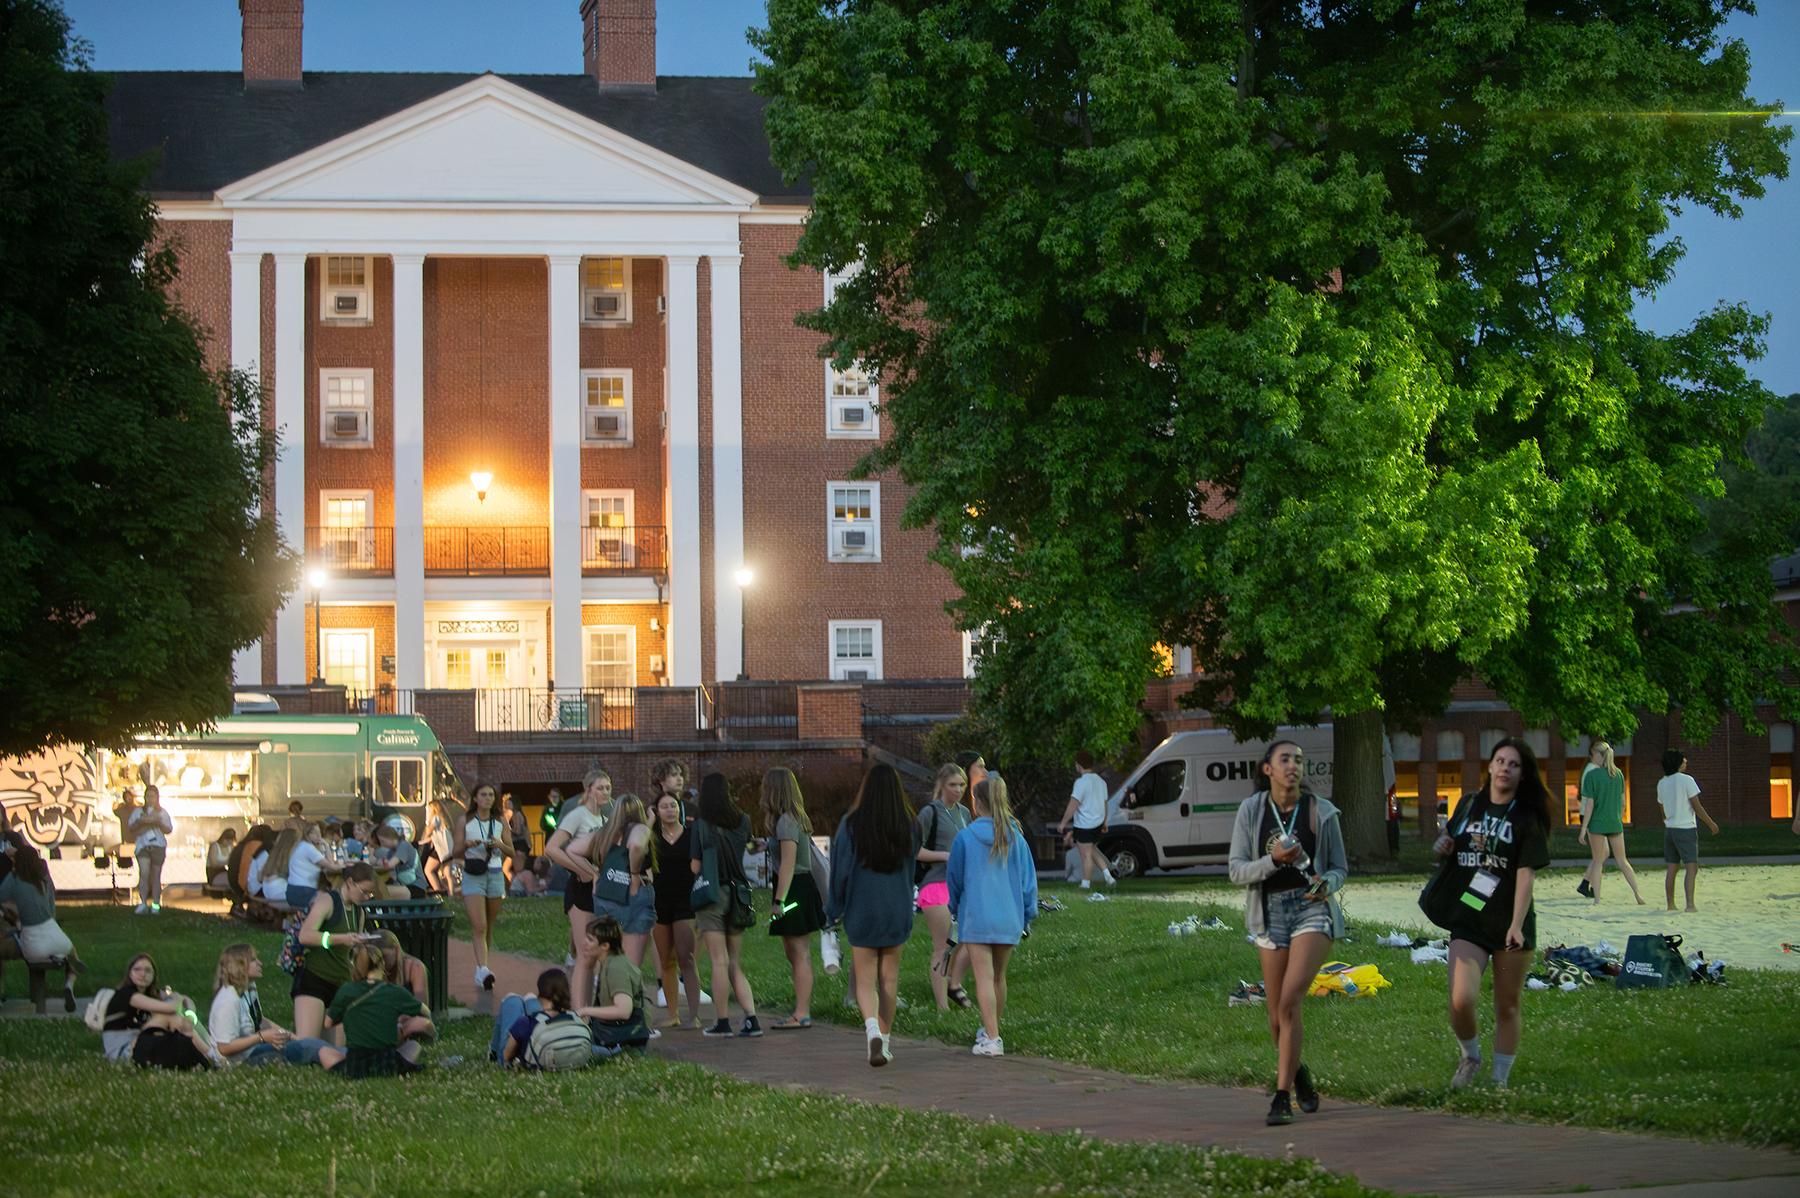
x=1445 y=1154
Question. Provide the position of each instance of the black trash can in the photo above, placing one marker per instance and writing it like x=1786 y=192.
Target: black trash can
x=423 y=929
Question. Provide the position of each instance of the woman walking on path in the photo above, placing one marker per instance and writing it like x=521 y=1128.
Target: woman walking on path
x=623 y=855
x=150 y=827
x=581 y=819
x=993 y=898
x=674 y=932
x=332 y=929
x=483 y=844
x=1500 y=836
x=872 y=858
x=1603 y=823
x=796 y=909
x=937 y=827
x=724 y=830
x=1287 y=851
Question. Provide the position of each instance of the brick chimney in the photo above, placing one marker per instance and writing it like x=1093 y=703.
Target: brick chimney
x=618 y=42
x=272 y=42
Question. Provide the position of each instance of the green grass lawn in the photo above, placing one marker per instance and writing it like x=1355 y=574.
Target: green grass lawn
x=1103 y=984
x=75 y=1124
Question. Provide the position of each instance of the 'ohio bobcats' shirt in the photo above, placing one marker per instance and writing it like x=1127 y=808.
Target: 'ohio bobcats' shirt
x=1509 y=840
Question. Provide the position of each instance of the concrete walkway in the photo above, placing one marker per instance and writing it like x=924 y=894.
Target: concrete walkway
x=1445 y=1154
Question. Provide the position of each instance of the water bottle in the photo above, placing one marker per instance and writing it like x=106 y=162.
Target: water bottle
x=1303 y=863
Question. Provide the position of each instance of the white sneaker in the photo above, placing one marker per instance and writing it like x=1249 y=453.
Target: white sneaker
x=887 y=1048
x=1466 y=1069
x=980 y=1033
x=142 y=909
x=1085 y=885
x=985 y=1047
x=661 y=999
x=1107 y=876
x=484 y=977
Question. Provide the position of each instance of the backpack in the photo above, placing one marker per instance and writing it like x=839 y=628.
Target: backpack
x=564 y=1042
x=95 y=1015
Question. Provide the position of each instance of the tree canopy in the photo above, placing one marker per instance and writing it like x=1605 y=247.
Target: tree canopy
x=136 y=557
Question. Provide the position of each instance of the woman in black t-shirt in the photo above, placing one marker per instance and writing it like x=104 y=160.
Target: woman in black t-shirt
x=674 y=931
x=1500 y=836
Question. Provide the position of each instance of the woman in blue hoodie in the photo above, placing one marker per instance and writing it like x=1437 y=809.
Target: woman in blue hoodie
x=872 y=858
x=993 y=898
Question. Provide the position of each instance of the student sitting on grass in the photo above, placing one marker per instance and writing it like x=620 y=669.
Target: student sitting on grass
x=237 y=1024
x=407 y=971
x=371 y=1009
x=542 y=1032
x=622 y=1021
x=151 y=1025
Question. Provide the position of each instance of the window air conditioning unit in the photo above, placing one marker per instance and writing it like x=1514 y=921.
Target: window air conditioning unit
x=853 y=541
x=856 y=675
x=853 y=416
x=605 y=426
x=347 y=303
x=605 y=306
x=347 y=426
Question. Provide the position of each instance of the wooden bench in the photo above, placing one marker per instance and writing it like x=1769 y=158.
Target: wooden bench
x=38 y=985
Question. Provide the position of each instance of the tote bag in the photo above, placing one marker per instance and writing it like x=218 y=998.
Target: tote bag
x=706 y=882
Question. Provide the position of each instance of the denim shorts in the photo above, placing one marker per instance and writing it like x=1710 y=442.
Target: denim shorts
x=1288 y=913
x=635 y=917
x=491 y=884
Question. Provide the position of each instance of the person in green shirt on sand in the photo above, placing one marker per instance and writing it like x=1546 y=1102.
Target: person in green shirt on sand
x=1603 y=823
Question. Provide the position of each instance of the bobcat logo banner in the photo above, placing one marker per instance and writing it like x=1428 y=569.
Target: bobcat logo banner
x=53 y=797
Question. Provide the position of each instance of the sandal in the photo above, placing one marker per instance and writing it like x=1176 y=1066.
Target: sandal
x=959 y=996
x=791 y=1023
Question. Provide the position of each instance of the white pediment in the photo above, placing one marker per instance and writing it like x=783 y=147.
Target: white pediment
x=487 y=142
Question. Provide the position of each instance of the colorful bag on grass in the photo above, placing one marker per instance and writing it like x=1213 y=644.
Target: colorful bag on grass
x=1351 y=981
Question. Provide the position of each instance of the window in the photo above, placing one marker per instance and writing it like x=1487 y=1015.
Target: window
x=855 y=522
x=346 y=541
x=855 y=649
x=1161 y=784
x=497 y=669
x=349 y=658
x=345 y=295
x=850 y=403
x=606 y=407
x=1781 y=771
x=459 y=670
x=611 y=656
x=345 y=396
x=400 y=781
x=607 y=537
x=606 y=290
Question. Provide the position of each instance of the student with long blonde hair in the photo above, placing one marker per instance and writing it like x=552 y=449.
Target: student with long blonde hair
x=240 y=1030
x=993 y=898
x=796 y=909
x=577 y=821
x=623 y=854
x=1603 y=823
x=939 y=823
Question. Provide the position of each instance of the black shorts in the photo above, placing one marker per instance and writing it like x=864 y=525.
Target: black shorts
x=1087 y=835
x=308 y=985
x=1486 y=943
x=578 y=894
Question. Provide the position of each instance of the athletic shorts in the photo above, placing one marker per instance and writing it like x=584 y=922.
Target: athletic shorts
x=308 y=985
x=578 y=895
x=1287 y=914
x=1486 y=943
x=1087 y=835
x=1681 y=846
x=934 y=894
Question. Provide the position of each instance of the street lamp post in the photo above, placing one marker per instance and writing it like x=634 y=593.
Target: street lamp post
x=318 y=579
x=744 y=576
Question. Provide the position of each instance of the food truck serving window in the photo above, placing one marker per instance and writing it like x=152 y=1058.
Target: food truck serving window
x=321 y=774
x=400 y=780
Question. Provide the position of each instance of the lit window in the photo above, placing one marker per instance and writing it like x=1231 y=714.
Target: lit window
x=497 y=669
x=606 y=290
x=459 y=671
x=850 y=397
x=611 y=657
x=855 y=649
x=348 y=658
x=607 y=538
x=1781 y=771
x=855 y=522
x=345 y=295
x=606 y=407
x=344 y=406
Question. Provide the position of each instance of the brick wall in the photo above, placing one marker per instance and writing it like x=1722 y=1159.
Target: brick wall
x=787 y=462
x=487 y=390
x=666 y=713
x=271 y=41
x=202 y=289
x=640 y=347
x=369 y=346
x=638 y=616
x=376 y=616
x=829 y=711
x=619 y=42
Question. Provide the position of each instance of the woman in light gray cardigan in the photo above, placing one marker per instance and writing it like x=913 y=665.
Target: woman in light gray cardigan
x=1287 y=851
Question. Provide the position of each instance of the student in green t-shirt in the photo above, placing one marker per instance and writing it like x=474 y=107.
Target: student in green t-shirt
x=1603 y=822
x=371 y=1010
x=617 y=1011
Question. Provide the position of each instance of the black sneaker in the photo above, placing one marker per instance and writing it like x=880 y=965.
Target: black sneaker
x=1304 y=1094
x=1281 y=1111
x=751 y=1027
x=721 y=1028
x=1585 y=890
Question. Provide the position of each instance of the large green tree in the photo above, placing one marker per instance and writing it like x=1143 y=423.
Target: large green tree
x=1301 y=332
x=136 y=559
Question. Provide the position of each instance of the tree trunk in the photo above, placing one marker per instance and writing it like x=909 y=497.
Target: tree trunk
x=1359 y=788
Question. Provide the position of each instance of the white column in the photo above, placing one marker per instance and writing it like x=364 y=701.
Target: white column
x=246 y=352
x=409 y=471
x=684 y=471
x=727 y=466
x=290 y=467
x=565 y=470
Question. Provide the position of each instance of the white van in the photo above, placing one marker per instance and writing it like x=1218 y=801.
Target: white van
x=1176 y=808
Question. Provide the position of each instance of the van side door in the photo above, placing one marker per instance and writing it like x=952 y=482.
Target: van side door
x=1157 y=803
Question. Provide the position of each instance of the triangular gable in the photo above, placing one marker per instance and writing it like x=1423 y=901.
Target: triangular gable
x=487 y=142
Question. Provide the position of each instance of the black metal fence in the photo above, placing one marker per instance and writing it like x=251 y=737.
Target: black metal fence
x=486 y=552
